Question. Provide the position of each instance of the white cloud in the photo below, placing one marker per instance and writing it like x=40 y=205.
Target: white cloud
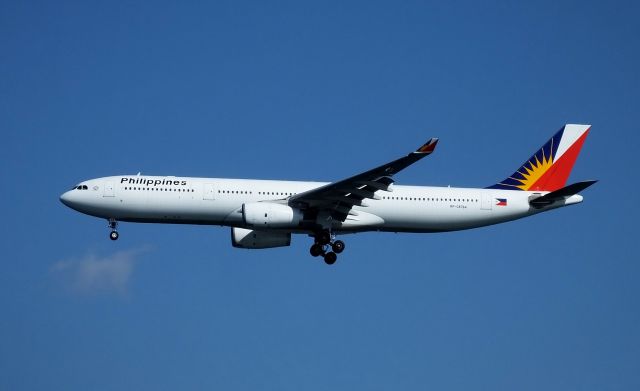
x=93 y=274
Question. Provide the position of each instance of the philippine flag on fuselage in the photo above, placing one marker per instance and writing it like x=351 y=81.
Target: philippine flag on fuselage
x=501 y=202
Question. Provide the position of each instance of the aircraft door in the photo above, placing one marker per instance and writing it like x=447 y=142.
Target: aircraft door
x=487 y=201
x=108 y=190
x=209 y=192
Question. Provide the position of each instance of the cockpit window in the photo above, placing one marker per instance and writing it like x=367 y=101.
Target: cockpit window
x=80 y=187
x=84 y=187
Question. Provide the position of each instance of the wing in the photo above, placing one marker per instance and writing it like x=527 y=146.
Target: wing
x=338 y=198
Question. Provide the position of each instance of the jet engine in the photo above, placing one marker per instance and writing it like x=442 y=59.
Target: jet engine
x=247 y=238
x=270 y=215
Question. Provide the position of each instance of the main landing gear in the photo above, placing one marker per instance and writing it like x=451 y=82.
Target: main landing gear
x=322 y=243
x=113 y=224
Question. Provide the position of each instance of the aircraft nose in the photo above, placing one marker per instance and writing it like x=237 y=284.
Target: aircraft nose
x=65 y=198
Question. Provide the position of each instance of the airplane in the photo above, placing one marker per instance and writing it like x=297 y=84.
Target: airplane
x=265 y=213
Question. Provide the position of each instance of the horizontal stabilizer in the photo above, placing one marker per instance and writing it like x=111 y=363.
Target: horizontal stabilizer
x=560 y=194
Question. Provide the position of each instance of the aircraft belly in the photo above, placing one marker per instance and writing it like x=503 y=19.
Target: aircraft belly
x=361 y=221
x=450 y=217
x=174 y=208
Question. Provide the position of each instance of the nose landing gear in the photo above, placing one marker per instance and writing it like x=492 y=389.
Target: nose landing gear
x=322 y=243
x=113 y=225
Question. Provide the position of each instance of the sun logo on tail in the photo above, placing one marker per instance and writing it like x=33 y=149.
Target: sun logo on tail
x=533 y=170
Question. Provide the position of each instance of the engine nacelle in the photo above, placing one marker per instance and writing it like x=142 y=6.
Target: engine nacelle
x=248 y=238
x=270 y=215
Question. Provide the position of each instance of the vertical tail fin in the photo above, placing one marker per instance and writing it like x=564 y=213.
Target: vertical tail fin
x=549 y=168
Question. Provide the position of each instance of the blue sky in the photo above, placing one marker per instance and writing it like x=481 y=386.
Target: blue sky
x=316 y=91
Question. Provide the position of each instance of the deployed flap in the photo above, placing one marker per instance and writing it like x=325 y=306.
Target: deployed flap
x=338 y=198
x=561 y=194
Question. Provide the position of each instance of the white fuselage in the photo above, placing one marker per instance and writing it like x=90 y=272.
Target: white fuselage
x=216 y=201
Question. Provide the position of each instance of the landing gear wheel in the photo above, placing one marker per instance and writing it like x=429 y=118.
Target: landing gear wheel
x=337 y=246
x=316 y=250
x=113 y=226
x=330 y=258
